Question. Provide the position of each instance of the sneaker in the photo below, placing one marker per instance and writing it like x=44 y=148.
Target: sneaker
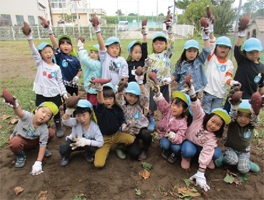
x=166 y=153
x=185 y=163
x=143 y=155
x=172 y=159
x=47 y=154
x=254 y=167
x=60 y=133
x=219 y=162
x=119 y=151
x=21 y=159
x=88 y=157
x=151 y=126
x=64 y=160
x=211 y=165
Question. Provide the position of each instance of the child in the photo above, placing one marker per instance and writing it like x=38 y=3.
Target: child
x=219 y=72
x=138 y=52
x=113 y=66
x=136 y=97
x=162 y=49
x=32 y=131
x=239 y=137
x=202 y=137
x=70 y=66
x=250 y=72
x=93 y=68
x=173 y=125
x=85 y=132
x=109 y=117
x=48 y=84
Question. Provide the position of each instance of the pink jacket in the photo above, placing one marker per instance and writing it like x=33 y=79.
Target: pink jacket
x=197 y=135
x=169 y=123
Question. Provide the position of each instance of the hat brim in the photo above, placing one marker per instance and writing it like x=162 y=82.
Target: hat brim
x=64 y=36
x=92 y=48
x=223 y=115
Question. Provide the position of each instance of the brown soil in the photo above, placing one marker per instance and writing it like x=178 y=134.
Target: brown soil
x=118 y=179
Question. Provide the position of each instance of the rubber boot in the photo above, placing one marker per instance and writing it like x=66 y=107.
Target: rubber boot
x=254 y=167
x=220 y=161
x=21 y=159
x=119 y=151
x=151 y=119
x=60 y=132
x=143 y=154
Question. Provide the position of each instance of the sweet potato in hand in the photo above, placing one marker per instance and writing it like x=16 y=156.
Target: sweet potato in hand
x=9 y=98
x=139 y=71
x=152 y=76
x=256 y=102
x=26 y=29
x=100 y=80
x=44 y=22
x=72 y=101
x=243 y=23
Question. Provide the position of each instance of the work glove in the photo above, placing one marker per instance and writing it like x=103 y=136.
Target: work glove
x=200 y=180
x=155 y=89
x=121 y=87
x=80 y=45
x=144 y=30
x=11 y=105
x=65 y=96
x=75 y=80
x=147 y=64
x=169 y=27
x=190 y=90
x=69 y=111
x=210 y=22
x=242 y=33
x=80 y=142
x=97 y=86
x=166 y=81
x=131 y=130
x=170 y=135
x=98 y=29
x=234 y=83
x=36 y=168
x=139 y=79
x=205 y=33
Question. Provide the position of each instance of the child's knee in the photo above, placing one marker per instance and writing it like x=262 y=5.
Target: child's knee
x=129 y=140
x=99 y=163
x=15 y=144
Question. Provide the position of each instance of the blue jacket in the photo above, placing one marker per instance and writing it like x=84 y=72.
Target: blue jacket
x=196 y=69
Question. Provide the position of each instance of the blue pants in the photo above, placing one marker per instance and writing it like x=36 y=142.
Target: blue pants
x=165 y=144
x=211 y=102
x=189 y=149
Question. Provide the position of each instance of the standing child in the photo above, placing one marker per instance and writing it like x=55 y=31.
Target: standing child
x=239 y=137
x=202 y=136
x=92 y=68
x=136 y=97
x=70 y=66
x=109 y=117
x=85 y=135
x=173 y=125
x=219 y=71
x=32 y=131
x=162 y=49
x=48 y=84
x=113 y=66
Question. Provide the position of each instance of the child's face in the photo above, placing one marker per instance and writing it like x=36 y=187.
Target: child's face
x=214 y=124
x=109 y=102
x=136 y=53
x=94 y=55
x=191 y=54
x=159 y=46
x=47 y=54
x=222 y=51
x=253 y=55
x=66 y=48
x=131 y=98
x=42 y=114
x=243 y=119
x=177 y=110
x=113 y=50
x=83 y=118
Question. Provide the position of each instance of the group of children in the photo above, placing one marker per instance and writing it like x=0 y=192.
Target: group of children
x=113 y=112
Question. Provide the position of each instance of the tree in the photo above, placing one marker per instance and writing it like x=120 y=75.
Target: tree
x=119 y=12
x=67 y=18
x=252 y=6
x=183 y=4
x=161 y=14
x=132 y=14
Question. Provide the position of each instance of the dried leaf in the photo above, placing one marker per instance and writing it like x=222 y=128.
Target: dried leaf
x=187 y=192
x=205 y=195
x=242 y=177
x=13 y=121
x=154 y=196
x=145 y=174
x=5 y=117
x=229 y=179
x=42 y=193
x=187 y=182
x=146 y=165
x=138 y=192
x=173 y=194
x=231 y=173
x=18 y=190
x=237 y=181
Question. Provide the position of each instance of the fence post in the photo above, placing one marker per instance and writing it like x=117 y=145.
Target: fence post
x=38 y=32
x=91 y=36
x=13 y=34
x=115 y=31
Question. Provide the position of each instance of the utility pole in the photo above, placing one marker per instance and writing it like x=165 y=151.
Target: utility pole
x=76 y=9
x=51 y=21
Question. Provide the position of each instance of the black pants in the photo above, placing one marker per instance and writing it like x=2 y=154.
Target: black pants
x=227 y=105
x=134 y=148
x=65 y=148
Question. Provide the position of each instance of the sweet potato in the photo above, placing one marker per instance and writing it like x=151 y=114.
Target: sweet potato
x=82 y=39
x=256 y=102
x=236 y=97
x=121 y=85
x=95 y=21
x=243 y=23
x=44 y=23
x=204 y=22
x=8 y=97
x=101 y=80
x=169 y=17
x=152 y=76
x=188 y=79
x=209 y=14
x=144 y=22
x=139 y=71
x=72 y=101
x=26 y=29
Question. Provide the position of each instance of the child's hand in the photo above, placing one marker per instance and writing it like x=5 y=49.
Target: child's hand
x=235 y=96
x=16 y=104
x=155 y=89
x=166 y=81
x=188 y=89
x=79 y=142
x=97 y=86
x=80 y=45
x=27 y=31
x=37 y=168
x=65 y=96
x=170 y=135
x=210 y=19
x=169 y=22
x=95 y=24
x=148 y=62
x=200 y=180
x=121 y=87
x=139 y=79
x=46 y=25
x=144 y=29
x=131 y=130
x=75 y=80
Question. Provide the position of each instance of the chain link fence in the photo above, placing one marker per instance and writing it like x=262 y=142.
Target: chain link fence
x=38 y=32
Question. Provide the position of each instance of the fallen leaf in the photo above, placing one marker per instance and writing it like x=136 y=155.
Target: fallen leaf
x=18 y=190
x=138 y=192
x=237 y=181
x=231 y=173
x=146 y=165
x=242 y=177
x=204 y=195
x=187 y=182
x=218 y=189
x=154 y=196
x=229 y=179
x=173 y=194
x=5 y=117
x=42 y=193
x=187 y=192
x=145 y=174
x=13 y=121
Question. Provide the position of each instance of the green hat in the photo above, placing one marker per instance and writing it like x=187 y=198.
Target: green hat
x=131 y=44
x=52 y=106
x=183 y=97
x=73 y=52
x=223 y=114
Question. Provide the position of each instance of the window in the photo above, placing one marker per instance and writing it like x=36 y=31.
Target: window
x=58 y=3
x=31 y=20
x=8 y=21
x=20 y=20
x=254 y=33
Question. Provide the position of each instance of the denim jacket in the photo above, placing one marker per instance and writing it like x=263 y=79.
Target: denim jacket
x=196 y=69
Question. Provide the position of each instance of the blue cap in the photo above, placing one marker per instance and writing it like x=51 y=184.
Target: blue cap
x=159 y=34
x=223 y=114
x=83 y=103
x=109 y=85
x=185 y=98
x=223 y=40
x=94 y=47
x=244 y=106
x=133 y=87
x=112 y=40
x=190 y=44
x=43 y=45
x=131 y=44
x=253 y=44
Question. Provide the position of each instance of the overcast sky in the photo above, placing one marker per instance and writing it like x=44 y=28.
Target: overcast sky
x=145 y=7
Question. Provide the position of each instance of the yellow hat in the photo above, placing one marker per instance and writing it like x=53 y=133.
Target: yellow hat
x=73 y=52
x=183 y=97
x=223 y=114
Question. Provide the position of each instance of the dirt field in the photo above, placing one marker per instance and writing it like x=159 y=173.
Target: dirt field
x=119 y=178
